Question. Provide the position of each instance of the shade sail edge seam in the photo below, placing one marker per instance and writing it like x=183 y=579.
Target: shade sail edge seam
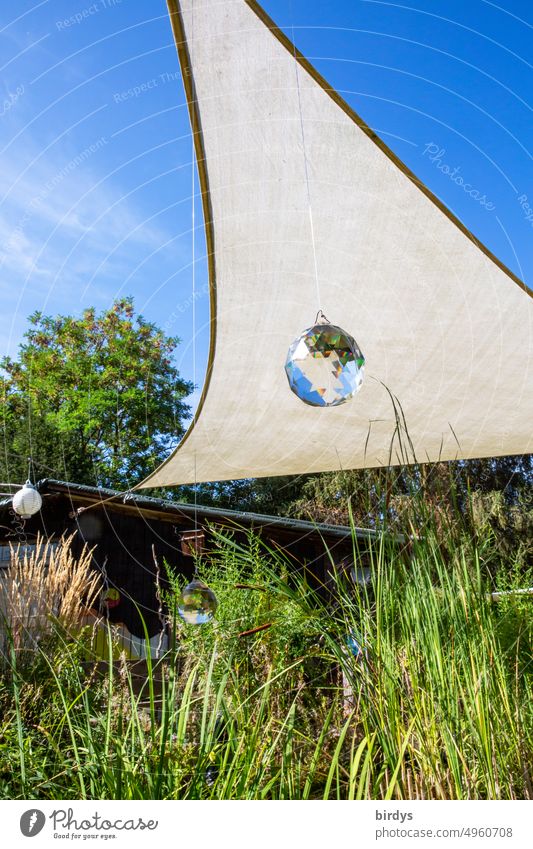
x=178 y=30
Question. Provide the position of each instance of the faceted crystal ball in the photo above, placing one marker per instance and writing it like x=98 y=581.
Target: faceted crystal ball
x=197 y=604
x=324 y=366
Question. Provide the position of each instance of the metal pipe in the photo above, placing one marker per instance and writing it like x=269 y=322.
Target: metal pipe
x=497 y=596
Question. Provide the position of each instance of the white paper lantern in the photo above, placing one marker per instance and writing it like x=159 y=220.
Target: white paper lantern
x=27 y=501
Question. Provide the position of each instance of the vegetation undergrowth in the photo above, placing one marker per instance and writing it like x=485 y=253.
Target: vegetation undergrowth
x=396 y=676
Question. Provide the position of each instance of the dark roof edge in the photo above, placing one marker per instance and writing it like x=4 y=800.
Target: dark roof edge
x=49 y=485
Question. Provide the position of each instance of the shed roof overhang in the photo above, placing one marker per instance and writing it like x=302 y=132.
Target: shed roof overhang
x=83 y=495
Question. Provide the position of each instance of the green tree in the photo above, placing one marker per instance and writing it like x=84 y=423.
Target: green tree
x=445 y=486
x=94 y=399
x=274 y=496
x=375 y=495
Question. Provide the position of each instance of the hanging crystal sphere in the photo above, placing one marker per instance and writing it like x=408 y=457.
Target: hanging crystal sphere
x=324 y=365
x=211 y=775
x=27 y=501
x=197 y=604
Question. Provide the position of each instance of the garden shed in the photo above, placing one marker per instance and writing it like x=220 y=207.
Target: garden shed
x=126 y=530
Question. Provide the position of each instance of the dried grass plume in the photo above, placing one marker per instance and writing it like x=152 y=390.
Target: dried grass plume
x=45 y=585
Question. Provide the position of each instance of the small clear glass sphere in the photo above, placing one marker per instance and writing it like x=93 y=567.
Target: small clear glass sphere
x=197 y=604
x=27 y=501
x=324 y=366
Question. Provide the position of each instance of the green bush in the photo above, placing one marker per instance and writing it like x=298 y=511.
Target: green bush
x=416 y=685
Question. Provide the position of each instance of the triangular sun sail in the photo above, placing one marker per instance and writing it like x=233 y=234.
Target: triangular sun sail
x=445 y=328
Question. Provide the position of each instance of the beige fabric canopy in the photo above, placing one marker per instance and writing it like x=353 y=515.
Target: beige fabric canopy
x=444 y=326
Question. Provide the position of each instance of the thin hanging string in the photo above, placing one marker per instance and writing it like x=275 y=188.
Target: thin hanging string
x=30 y=440
x=193 y=265
x=193 y=220
x=306 y=170
x=196 y=541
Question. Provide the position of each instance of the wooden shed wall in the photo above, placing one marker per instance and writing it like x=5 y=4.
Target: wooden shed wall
x=123 y=540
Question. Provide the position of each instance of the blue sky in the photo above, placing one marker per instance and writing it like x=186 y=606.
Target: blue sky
x=95 y=182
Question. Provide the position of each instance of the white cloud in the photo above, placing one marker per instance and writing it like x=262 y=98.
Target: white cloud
x=65 y=225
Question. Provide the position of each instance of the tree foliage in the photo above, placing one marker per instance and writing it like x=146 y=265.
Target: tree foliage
x=380 y=493
x=94 y=399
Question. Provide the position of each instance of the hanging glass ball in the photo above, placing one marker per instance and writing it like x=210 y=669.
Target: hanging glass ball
x=356 y=647
x=197 y=604
x=211 y=775
x=353 y=645
x=27 y=501
x=324 y=365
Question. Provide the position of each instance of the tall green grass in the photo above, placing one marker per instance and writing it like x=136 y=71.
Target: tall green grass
x=437 y=703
